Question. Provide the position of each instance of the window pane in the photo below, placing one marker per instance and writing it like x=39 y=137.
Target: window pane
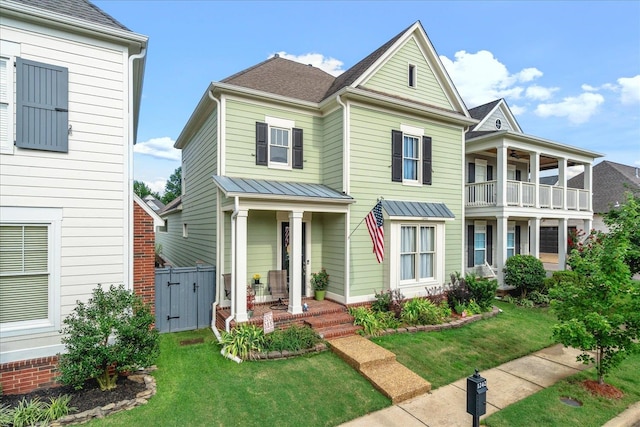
x=478 y=256
x=510 y=252
x=411 y=157
x=511 y=240
x=426 y=265
x=279 y=145
x=426 y=239
x=408 y=239
x=407 y=266
x=480 y=241
x=24 y=298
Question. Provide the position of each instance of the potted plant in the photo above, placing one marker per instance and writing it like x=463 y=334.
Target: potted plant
x=256 y=279
x=320 y=283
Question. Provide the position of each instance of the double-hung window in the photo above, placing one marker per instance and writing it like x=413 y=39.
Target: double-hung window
x=480 y=243
x=417 y=252
x=279 y=144
x=511 y=239
x=410 y=156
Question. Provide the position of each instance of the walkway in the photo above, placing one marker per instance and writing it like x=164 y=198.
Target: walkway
x=507 y=384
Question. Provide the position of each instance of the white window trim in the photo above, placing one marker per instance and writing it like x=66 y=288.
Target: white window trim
x=415 y=75
x=10 y=51
x=52 y=217
x=416 y=132
x=412 y=288
x=285 y=124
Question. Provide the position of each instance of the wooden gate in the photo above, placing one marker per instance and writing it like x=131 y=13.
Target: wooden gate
x=183 y=297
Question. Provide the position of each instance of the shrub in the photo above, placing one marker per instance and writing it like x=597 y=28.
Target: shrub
x=458 y=292
x=294 y=338
x=243 y=341
x=525 y=273
x=538 y=298
x=111 y=332
x=373 y=323
x=389 y=300
x=566 y=277
x=420 y=311
x=483 y=291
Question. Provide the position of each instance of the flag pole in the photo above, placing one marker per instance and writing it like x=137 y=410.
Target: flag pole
x=362 y=220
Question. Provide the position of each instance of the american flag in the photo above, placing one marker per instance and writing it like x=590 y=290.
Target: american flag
x=375 y=225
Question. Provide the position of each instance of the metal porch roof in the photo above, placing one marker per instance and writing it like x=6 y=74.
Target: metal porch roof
x=274 y=189
x=417 y=209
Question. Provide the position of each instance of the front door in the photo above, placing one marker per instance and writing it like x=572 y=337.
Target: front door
x=286 y=250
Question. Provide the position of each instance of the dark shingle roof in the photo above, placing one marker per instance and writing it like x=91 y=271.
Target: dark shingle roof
x=171 y=206
x=284 y=77
x=417 y=209
x=481 y=111
x=610 y=181
x=549 y=180
x=278 y=189
x=81 y=9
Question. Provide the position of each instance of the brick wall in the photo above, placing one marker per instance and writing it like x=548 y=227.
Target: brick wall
x=144 y=256
x=26 y=375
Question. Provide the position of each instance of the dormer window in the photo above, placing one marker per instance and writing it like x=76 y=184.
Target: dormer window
x=412 y=75
x=498 y=124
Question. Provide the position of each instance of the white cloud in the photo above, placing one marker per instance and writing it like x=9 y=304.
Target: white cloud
x=481 y=78
x=576 y=109
x=157 y=185
x=517 y=109
x=330 y=65
x=629 y=89
x=540 y=93
x=574 y=170
x=161 y=148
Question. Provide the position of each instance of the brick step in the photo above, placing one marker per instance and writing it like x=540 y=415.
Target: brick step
x=338 y=330
x=396 y=381
x=325 y=320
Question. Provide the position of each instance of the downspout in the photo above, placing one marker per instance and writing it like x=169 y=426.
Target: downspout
x=234 y=214
x=217 y=299
x=129 y=190
x=345 y=188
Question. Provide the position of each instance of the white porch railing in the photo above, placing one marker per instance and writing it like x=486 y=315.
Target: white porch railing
x=521 y=193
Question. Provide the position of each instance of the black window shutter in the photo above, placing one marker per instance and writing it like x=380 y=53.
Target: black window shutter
x=261 y=143
x=42 y=106
x=426 y=160
x=489 y=173
x=470 y=246
x=396 y=156
x=490 y=244
x=472 y=173
x=518 y=175
x=297 y=149
x=518 y=230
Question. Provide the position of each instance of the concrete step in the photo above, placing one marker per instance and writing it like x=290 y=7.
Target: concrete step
x=396 y=381
x=325 y=320
x=359 y=352
x=337 y=330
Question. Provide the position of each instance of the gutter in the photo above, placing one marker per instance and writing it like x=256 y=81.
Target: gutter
x=234 y=214
x=345 y=186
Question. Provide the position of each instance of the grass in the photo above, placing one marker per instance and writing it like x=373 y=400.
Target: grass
x=545 y=408
x=447 y=356
x=196 y=386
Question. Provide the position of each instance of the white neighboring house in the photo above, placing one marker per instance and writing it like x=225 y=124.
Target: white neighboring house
x=70 y=89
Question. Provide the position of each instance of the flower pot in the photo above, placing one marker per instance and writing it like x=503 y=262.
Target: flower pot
x=319 y=295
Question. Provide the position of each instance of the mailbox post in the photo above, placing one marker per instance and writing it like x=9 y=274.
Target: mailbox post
x=476 y=397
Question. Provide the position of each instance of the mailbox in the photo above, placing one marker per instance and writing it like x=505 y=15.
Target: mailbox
x=476 y=396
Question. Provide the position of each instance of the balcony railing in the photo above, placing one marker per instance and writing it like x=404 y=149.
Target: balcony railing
x=522 y=194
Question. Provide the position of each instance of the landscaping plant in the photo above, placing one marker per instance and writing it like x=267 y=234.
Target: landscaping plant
x=418 y=311
x=243 y=341
x=109 y=334
x=524 y=272
x=601 y=312
x=294 y=338
x=389 y=300
x=482 y=291
x=624 y=221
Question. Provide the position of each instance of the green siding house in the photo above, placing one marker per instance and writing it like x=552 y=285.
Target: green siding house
x=282 y=162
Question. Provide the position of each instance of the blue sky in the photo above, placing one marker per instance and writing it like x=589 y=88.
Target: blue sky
x=570 y=71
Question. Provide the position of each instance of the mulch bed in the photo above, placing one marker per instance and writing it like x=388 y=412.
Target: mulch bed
x=604 y=390
x=89 y=397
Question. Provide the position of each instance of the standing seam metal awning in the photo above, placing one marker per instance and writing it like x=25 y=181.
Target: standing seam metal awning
x=278 y=189
x=417 y=209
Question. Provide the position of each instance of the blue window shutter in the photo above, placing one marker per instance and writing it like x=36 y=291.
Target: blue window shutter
x=426 y=160
x=42 y=106
x=518 y=237
x=261 y=143
x=471 y=176
x=470 y=246
x=297 y=148
x=489 y=244
x=396 y=156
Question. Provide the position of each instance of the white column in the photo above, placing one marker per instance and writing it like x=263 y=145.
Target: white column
x=240 y=281
x=562 y=181
x=501 y=247
x=588 y=185
x=295 y=266
x=562 y=243
x=534 y=225
x=534 y=166
x=502 y=176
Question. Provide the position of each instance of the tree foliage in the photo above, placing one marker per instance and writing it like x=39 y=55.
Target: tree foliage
x=143 y=190
x=625 y=222
x=524 y=272
x=173 y=188
x=109 y=334
x=600 y=312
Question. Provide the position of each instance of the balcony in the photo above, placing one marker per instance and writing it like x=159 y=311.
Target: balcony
x=523 y=194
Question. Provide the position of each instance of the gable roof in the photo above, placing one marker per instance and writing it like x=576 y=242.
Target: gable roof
x=157 y=221
x=610 y=181
x=483 y=112
x=81 y=9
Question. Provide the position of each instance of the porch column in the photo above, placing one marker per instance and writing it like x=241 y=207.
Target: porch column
x=562 y=243
x=502 y=176
x=295 y=263
x=534 y=166
x=534 y=236
x=240 y=281
x=588 y=185
x=562 y=181
x=501 y=247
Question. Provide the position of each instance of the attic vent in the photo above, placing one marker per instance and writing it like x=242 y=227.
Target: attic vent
x=498 y=124
x=276 y=55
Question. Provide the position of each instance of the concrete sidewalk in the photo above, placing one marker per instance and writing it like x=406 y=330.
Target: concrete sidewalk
x=507 y=384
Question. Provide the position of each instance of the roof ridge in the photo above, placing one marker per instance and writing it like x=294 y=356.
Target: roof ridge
x=106 y=15
x=246 y=70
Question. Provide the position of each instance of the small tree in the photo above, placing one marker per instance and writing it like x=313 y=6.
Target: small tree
x=601 y=312
x=625 y=221
x=109 y=334
x=525 y=273
x=142 y=190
